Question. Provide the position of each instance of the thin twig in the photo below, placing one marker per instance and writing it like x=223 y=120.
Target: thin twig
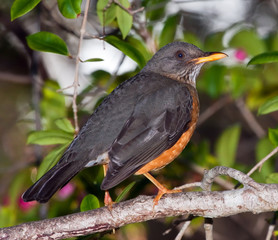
x=188 y=185
x=213 y=109
x=208 y=226
x=220 y=181
x=182 y=231
x=177 y=222
x=131 y=12
x=57 y=19
x=89 y=36
x=210 y=175
x=52 y=11
x=142 y=31
x=115 y=74
x=75 y=83
x=250 y=119
x=15 y=78
x=260 y=163
x=270 y=232
x=271 y=227
x=98 y=92
x=36 y=92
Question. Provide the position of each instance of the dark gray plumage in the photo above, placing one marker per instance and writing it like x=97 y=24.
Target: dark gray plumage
x=140 y=119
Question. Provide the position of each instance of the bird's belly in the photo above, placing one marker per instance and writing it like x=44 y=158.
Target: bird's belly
x=170 y=154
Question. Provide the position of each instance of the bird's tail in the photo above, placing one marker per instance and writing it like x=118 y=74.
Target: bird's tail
x=50 y=182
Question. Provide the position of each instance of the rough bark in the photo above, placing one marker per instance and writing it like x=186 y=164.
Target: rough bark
x=253 y=197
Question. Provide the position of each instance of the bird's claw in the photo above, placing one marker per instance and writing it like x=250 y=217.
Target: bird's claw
x=108 y=202
x=161 y=192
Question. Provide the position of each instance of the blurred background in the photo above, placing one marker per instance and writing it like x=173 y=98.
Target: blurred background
x=229 y=132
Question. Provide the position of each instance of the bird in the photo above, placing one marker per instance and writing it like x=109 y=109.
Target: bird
x=141 y=126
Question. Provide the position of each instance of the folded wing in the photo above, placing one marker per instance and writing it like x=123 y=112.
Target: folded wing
x=159 y=119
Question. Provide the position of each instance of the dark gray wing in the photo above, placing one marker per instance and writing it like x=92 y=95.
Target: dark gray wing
x=94 y=139
x=156 y=124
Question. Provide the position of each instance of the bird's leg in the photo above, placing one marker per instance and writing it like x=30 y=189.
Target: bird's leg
x=108 y=202
x=161 y=189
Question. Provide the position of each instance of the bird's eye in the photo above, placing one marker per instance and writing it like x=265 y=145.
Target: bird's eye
x=180 y=55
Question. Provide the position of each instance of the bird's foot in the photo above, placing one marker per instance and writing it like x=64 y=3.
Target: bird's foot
x=161 y=192
x=108 y=202
x=161 y=189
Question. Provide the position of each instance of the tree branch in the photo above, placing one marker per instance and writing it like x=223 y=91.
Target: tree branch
x=253 y=197
x=250 y=118
x=75 y=83
x=213 y=109
x=208 y=226
x=183 y=229
x=260 y=163
x=129 y=11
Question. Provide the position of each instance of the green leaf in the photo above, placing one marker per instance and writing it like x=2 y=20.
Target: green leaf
x=49 y=137
x=141 y=47
x=93 y=60
x=272 y=41
x=273 y=136
x=226 y=146
x=89 y=202
x=21 y=7
x=8 y=216
x=214 y=42
x=99 y=78
x=124 y=19
x=47 y=42
x=127 y=49
x=65 y=125
x=50 y=160
x=15 y=187
x=193 y=39
x=249 y=40
x=213 y=80
x=106 y=15
x=269 y=106
x=268 y=57
x=169 y=30
x=242 y=81
x=272 y=178
x=70 y=8
x=125 y=191
x=155 y=9
x=52 y=105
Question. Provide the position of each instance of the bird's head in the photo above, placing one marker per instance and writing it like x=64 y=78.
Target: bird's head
x=181 y=61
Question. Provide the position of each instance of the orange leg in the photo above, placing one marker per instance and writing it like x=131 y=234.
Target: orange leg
x=108 y=202
x=161 y=189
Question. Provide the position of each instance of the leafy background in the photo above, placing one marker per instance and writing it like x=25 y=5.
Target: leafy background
x=238 y=96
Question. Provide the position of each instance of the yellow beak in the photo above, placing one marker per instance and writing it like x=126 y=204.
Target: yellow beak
x=212 y=56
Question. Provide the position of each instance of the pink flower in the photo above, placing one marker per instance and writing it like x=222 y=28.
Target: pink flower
x=26 y=206
x=66 y=191
x=240 y=54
